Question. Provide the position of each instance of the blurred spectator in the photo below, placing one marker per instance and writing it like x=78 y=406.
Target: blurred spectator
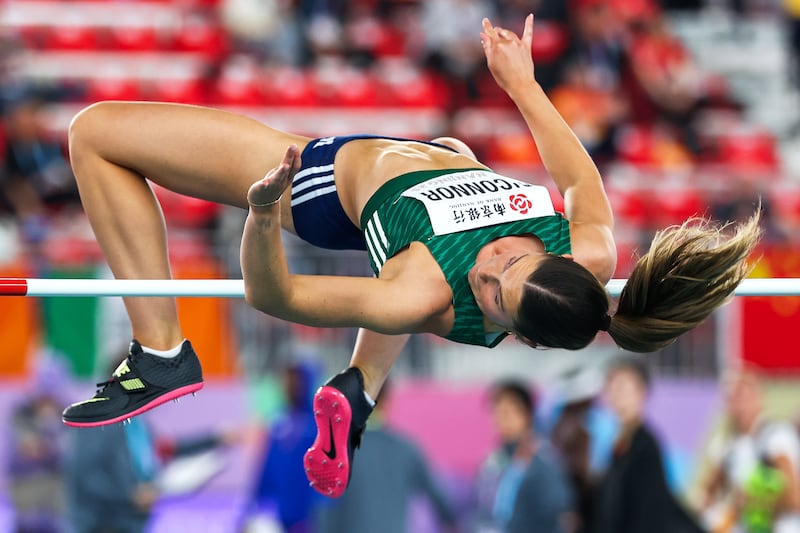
x=281 y=487
x=110 y=478
x=522 y=486
x=31 y=156
x=391 y=472
x=633 y=495
x=733 y=203
x=453 y=47
x=113 y=474
x=593 y=114
x=268 y=29
x=598 y=44
x=662 y=81
x=36 y=453
x=792 y=13
x=753 y=482
x=573 y=438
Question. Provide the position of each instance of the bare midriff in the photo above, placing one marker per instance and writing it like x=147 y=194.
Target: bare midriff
x=362 y=166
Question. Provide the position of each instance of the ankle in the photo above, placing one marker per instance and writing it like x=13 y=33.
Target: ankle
x=372 y=381
x=165 y=342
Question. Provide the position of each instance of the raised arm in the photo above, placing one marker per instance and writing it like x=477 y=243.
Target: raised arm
x=573 y=171
x=383 y=305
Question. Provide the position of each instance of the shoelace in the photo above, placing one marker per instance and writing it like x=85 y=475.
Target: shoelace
x=101 y=387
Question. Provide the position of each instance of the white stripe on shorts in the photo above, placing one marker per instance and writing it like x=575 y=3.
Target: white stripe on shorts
x=310 y=183
x=313 y=170
x=310 y=195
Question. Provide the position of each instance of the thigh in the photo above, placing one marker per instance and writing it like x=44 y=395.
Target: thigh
x=201 y=152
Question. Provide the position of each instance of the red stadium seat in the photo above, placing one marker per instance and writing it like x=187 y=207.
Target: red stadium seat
x=286 y=86
x=134 y=38
x=238 y=83
x=180 y=90
x=630 y=206
x=185 y=211
x=674 y=206
x=749 y=152
x=71 y=38
x=550 y=41
x=199 y=34
x=401 y=83
x=113 y=89
x=346 y=87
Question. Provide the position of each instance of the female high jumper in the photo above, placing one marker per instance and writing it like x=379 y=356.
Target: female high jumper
x=457 y=250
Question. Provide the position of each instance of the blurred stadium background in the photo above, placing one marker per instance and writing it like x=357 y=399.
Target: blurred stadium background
x=689 y=107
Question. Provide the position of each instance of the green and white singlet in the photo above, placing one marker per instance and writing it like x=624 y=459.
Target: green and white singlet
x=454 y=213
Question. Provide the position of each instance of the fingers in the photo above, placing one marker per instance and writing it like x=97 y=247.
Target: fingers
x=292 y=153
x=527 y=33
x=492 y=34
x=488 y=29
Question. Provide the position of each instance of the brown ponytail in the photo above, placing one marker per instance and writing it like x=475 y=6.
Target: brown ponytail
x=689 y=271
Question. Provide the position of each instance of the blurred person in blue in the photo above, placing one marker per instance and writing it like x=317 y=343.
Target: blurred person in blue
x=393 y=472
x=35 y=177
x=522 y=486
x=36 y=452
x=582 y=431
x=110 y=478
x=754 y=482
x=281 y=490
x=115 y=474
x=633 y=495
x=33 y=156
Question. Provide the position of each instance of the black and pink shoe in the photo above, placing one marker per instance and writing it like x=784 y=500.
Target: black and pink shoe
x=142 y=381
x=341 y=412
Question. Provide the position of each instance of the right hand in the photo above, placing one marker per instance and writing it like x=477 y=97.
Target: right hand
x=271 y=187
x=508 y=56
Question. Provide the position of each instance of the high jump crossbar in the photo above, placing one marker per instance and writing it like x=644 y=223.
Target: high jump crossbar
x=234 y=288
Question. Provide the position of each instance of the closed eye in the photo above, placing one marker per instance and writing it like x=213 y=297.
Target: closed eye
x=512 y=261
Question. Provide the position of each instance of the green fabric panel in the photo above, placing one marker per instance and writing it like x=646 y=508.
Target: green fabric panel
x=70 y=324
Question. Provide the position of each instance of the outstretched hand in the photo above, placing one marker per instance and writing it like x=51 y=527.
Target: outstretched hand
x=509 y=56
x=268 y=190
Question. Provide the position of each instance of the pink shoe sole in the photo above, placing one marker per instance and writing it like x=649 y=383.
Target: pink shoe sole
x=172 y=395
x=327 y=461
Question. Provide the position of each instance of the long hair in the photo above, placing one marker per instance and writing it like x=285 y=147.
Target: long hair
x=689 y=271
x=562 y=305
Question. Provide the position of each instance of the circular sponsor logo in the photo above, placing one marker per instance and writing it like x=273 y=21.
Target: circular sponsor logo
x=520 y=203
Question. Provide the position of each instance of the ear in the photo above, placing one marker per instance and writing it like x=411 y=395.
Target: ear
x=568 y=256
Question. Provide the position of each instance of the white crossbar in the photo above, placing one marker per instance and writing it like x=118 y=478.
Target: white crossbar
x=234 y=288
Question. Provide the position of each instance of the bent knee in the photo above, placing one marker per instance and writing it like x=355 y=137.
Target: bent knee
x=84 y=128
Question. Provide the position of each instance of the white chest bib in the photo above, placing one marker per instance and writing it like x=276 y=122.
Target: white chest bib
x=478 y=198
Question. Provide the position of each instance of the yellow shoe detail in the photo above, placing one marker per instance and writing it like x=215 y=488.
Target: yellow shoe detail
x=132 y=384
x=90 y=400
x=122 y=368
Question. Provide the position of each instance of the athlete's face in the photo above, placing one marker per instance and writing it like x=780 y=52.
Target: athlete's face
x=497 y=284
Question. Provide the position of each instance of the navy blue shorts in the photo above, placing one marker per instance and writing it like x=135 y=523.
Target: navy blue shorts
x=316 y=210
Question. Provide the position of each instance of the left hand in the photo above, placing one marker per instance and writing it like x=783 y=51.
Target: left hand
x=145 y=496
x=269 y=189
x=509 y=56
